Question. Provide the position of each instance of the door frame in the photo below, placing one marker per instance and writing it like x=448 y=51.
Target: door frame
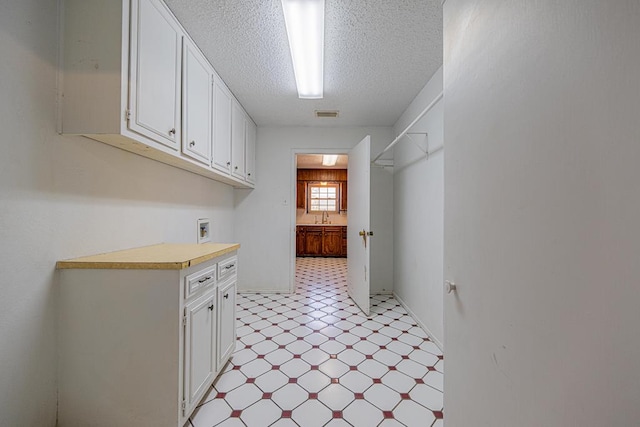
x=292 y=197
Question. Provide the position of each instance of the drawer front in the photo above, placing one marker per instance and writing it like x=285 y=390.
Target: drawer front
x=227 y=268
x=194 y=282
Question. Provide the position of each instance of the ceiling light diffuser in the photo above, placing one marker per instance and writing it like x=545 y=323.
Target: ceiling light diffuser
x=304 y=20
x=329 y=159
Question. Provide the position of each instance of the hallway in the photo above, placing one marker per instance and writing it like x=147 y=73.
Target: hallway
x=311 y=359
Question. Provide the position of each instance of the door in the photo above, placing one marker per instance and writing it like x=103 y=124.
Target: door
x=196 y=104
x=313 y=241
x=237 y=140
x=250 y=154
x=199 y=357
x=359 y=224
x=156 y=43
x=226 y=321
x=221 y=128
x=332 y=241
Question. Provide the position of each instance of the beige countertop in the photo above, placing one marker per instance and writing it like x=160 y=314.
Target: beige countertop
x=164 y=256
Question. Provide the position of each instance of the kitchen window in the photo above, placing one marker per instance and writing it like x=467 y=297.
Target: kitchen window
x=323 y=197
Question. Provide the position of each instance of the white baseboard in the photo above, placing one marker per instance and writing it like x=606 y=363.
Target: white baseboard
x=419 y=322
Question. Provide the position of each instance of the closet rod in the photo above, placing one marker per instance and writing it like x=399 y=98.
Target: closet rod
x=403 y=133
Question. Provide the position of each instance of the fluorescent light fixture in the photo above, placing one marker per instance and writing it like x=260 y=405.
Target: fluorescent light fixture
x=304 y=20
x=329 y=159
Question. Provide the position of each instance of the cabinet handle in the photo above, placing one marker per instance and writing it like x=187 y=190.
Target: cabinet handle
x=172 y=131
x=226 y=296
x=205 y=279
x=229 y=266
x=192 y=143
x=228 y=163
x=236 y=168
x=211 y=307
x=249 y=174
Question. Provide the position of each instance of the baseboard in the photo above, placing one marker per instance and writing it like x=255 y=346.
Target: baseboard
x=419 y=322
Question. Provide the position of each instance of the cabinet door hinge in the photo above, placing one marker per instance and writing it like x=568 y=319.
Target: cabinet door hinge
x=184 y=407
x=127 y=114
x=184 y=320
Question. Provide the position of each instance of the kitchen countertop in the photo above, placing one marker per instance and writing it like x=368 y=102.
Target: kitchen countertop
x=164 y=256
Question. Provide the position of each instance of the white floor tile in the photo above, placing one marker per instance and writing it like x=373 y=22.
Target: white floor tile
x=312 y=359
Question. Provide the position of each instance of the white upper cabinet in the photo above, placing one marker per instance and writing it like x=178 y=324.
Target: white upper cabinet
x=134 y=79
x=237 y=140
x=250 y=153
x=221 y=128
x=154 y=98
x=197 y=105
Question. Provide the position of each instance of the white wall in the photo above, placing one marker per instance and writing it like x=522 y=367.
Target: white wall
x=62 y=197
x=418 y=200
x=264 y=222
x=541 y=117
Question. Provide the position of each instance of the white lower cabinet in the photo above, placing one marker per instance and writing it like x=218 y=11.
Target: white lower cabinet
x=199 y=348
x=142 y=347
x=226 y=320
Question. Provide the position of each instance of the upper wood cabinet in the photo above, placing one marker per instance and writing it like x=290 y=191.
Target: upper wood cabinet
x=238 y=129
x=134 y=79
x=250 y=151
x=221 y=128
x=197 y=104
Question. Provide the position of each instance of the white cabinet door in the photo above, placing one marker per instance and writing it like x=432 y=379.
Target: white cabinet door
x=199 y=349
x=251 y=152
x=221 y=128
x=237 y=140
x=154 y=97
x=197 y=106
x=226 y=321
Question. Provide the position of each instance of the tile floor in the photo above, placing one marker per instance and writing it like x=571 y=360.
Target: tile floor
x=313 y=359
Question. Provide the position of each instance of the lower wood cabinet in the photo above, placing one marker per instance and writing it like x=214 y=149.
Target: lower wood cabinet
x=324 y=241
x=141 y=347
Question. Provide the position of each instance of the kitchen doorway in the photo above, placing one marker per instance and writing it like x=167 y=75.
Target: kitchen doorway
x=319 y=206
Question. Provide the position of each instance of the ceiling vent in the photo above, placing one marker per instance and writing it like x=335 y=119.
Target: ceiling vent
x=327 y=114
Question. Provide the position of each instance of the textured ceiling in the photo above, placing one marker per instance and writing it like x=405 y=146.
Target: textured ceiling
x=378 y=56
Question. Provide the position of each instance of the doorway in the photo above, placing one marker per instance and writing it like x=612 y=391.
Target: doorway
x=319 y=206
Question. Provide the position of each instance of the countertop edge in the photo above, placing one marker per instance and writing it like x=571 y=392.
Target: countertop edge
x=143 y=265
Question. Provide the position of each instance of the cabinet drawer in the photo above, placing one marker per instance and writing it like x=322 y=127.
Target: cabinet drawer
x=227 y=268
x=199 y=280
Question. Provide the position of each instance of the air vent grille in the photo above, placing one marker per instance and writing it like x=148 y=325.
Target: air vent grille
x=327 y=114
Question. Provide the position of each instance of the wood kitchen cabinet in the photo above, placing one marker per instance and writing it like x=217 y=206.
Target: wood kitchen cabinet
x=332 y=241
x=313 y=241
x=144 y=333
x=301 y=195
x=300 y=241
x=321 y=241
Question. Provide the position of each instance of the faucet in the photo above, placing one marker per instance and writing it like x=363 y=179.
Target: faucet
x=325 y=217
